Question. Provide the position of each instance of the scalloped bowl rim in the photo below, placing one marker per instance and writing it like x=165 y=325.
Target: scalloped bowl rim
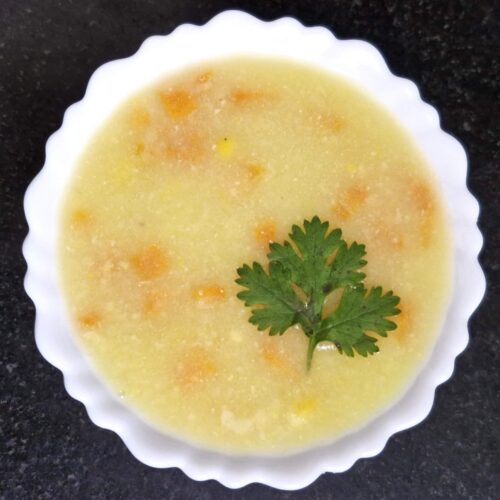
x=233 y=33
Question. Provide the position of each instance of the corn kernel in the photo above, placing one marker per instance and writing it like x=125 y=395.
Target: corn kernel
x=304 y=407
x=139 y=149
x=225 y=147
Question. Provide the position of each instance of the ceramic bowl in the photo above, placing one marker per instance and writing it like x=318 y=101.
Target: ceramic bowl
x=232 y=33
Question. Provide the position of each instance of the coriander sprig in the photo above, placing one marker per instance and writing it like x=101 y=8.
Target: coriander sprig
x=301 y=274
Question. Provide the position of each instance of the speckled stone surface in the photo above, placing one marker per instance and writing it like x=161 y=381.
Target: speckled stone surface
x=48 y=49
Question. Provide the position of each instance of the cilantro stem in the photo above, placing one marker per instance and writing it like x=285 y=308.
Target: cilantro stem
x=308 y=320
x=310 y=350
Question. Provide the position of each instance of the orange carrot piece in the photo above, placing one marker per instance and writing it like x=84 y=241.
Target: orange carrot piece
x=423 y=199
x=139 y=149
x=265 y=233
x=340 y=212
x=187 y=146
x=403 y=320
x=272 y=356
x=389 y=237
x=204 y=77
x=89 y=320
x=426 y=227
x=254 y=171
x=276 y=358
x=246 y=96
x=178 y=103
x=81 y=217
x=422 y=196
x=140 y=118
x=153 y=302
x=332 y=123
x=150 y=263
x=209 y=292
x=196 y=366
x=349 y=202
x=356 y=196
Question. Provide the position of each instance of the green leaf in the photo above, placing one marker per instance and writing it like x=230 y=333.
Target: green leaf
x=315 y=245
x=308 y=264
x=357 y=312
x=367 y=345
x=302 y=272
x=344 y=267
x=273 y=293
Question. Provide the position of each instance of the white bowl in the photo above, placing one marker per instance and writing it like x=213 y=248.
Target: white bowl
x=232 y=33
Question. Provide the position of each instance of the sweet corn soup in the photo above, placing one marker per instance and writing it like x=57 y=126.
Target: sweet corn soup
x=196 y=175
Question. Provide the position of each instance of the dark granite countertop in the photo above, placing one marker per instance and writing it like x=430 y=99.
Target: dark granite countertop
x=48 y=49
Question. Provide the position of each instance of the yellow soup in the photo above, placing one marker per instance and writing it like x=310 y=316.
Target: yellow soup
x=193 y=177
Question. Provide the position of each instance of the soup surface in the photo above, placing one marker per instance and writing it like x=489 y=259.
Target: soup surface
x=193 y=177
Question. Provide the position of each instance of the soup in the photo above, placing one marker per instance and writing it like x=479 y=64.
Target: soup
x=196 y=175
